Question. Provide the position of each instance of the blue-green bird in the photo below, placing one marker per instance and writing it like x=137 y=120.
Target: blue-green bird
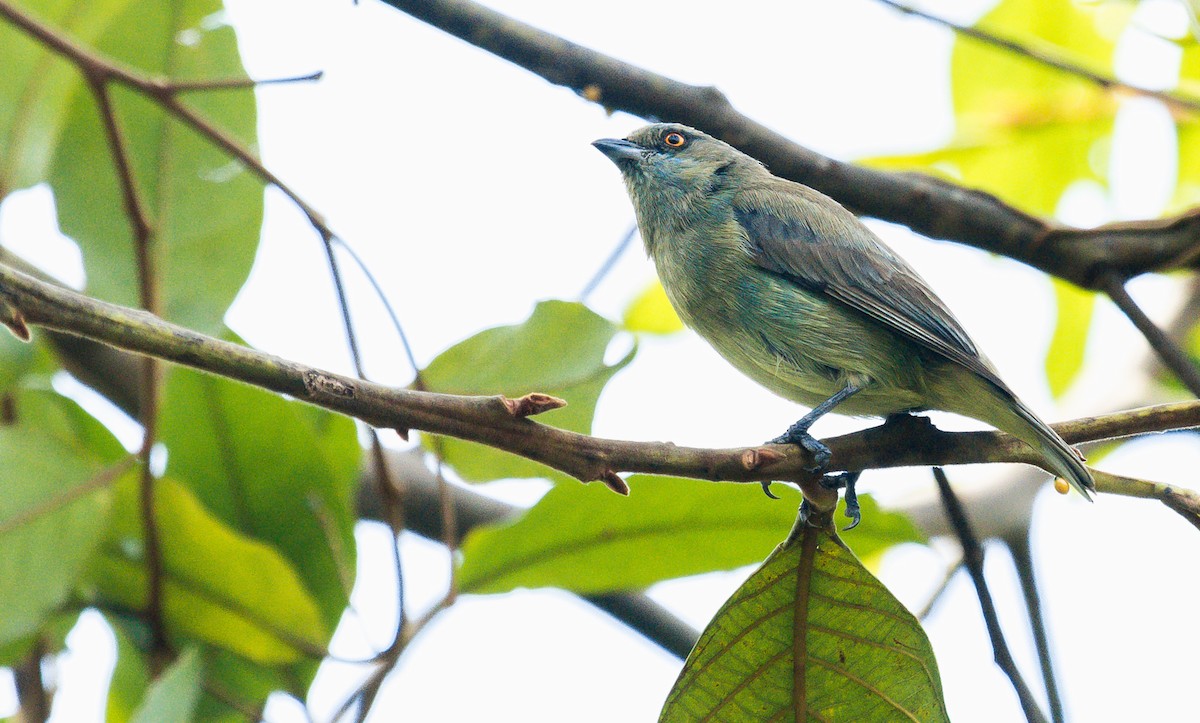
x=802 y=297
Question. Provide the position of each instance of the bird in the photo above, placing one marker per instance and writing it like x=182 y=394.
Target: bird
x=802 y=297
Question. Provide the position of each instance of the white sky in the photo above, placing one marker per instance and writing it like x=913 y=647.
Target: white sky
x=470 y=188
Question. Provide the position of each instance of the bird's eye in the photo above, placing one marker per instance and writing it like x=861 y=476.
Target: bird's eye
x=674 y=140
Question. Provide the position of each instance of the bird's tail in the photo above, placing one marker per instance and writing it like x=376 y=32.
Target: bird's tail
x=1062 y=459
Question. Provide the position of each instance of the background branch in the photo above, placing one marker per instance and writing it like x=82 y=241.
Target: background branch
x=973 y=560
x=930 y=206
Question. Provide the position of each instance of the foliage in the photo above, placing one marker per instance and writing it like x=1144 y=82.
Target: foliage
x=255 y=504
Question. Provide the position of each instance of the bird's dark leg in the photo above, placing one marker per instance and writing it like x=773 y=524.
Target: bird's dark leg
x=847 y=480
x=798 y=432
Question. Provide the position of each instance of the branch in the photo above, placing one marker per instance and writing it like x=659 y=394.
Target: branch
x=928 y=205
x=1049 y=59
x=1172 y=355
x=499 y=423
x=973 y=560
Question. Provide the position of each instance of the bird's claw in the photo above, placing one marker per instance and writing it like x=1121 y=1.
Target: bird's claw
x=817 y=449
x=848 y=480
x=766 y=488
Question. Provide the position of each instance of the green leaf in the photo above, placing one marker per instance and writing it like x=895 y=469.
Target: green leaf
x=1027 y=131
x=277 y=470
x=173 y=697
x=246 y=683
x=588 y=540
x=559 y=351
x=54 y=508
x=810 y=636
x=17 y=358
x=1187 y=189
x=651 y=313
x=201 y=257
x=1064 y=358
x=219 y=587
x=37 y=86
x=130 y=677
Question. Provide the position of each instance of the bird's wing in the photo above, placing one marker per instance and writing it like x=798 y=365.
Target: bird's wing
x=812 y=241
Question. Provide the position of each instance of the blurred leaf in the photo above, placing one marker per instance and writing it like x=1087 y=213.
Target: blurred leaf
x=16 y=359
x=52 y=515
x=202 y=258
x=651 y=312
x=1187 y=188
x=1027 y=131
x=130 y=677
x=559 y=351
x=1064 y=358
x=277 y=470
x=588 y=540
x=865 y=657
x=172 y=697
x=219 y=586
x=37 y=87
x=247 y=683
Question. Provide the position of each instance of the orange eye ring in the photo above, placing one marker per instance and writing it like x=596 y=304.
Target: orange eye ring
x=674 y=140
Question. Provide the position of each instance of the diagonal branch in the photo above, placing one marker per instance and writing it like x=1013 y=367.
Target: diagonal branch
x=1175 y=100
x=1172 y=355
x=493 y=420
x=973 y=560
x=928 y=205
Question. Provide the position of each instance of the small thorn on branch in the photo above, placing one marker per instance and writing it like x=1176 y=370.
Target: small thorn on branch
x=759 y=457
x=12 y=317
x=613 y=481
x=532 y=404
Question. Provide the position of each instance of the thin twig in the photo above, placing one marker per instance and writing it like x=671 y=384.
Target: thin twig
x=191 y=86
x=1022 y=554
x=31 y=686
x=973 y=560
x=148 y=294
x=1049 y=59
x=936 y=596
x=607 y=267
x=1171 y=354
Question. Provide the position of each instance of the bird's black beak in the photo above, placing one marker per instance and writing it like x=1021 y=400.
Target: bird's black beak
x=619 y=151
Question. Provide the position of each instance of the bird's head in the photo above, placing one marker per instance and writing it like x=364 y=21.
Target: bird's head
x=674 y=171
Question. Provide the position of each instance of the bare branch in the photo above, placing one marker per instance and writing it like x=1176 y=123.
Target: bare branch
x=928 y=205
x=488 y=420
x=1171 y=354
x=973 y=560
x=1174 y=100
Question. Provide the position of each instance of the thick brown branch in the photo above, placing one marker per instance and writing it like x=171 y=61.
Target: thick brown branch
x=933 y=207
x=489 y=420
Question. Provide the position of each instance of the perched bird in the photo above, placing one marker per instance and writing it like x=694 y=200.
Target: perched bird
x=803 y=298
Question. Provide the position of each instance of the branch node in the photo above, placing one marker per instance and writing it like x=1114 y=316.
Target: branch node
x=12 y=317
x=613 y=481
x=318 y=385
x=759 y=457
x=531 y=404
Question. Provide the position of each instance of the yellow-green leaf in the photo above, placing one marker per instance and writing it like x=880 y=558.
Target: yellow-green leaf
x=219 y=587
x=810 y=636
x=1064 y=358
x=651 y=312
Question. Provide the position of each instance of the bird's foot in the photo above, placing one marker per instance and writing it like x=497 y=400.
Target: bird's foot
x=848 y=480
x=799 y=435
